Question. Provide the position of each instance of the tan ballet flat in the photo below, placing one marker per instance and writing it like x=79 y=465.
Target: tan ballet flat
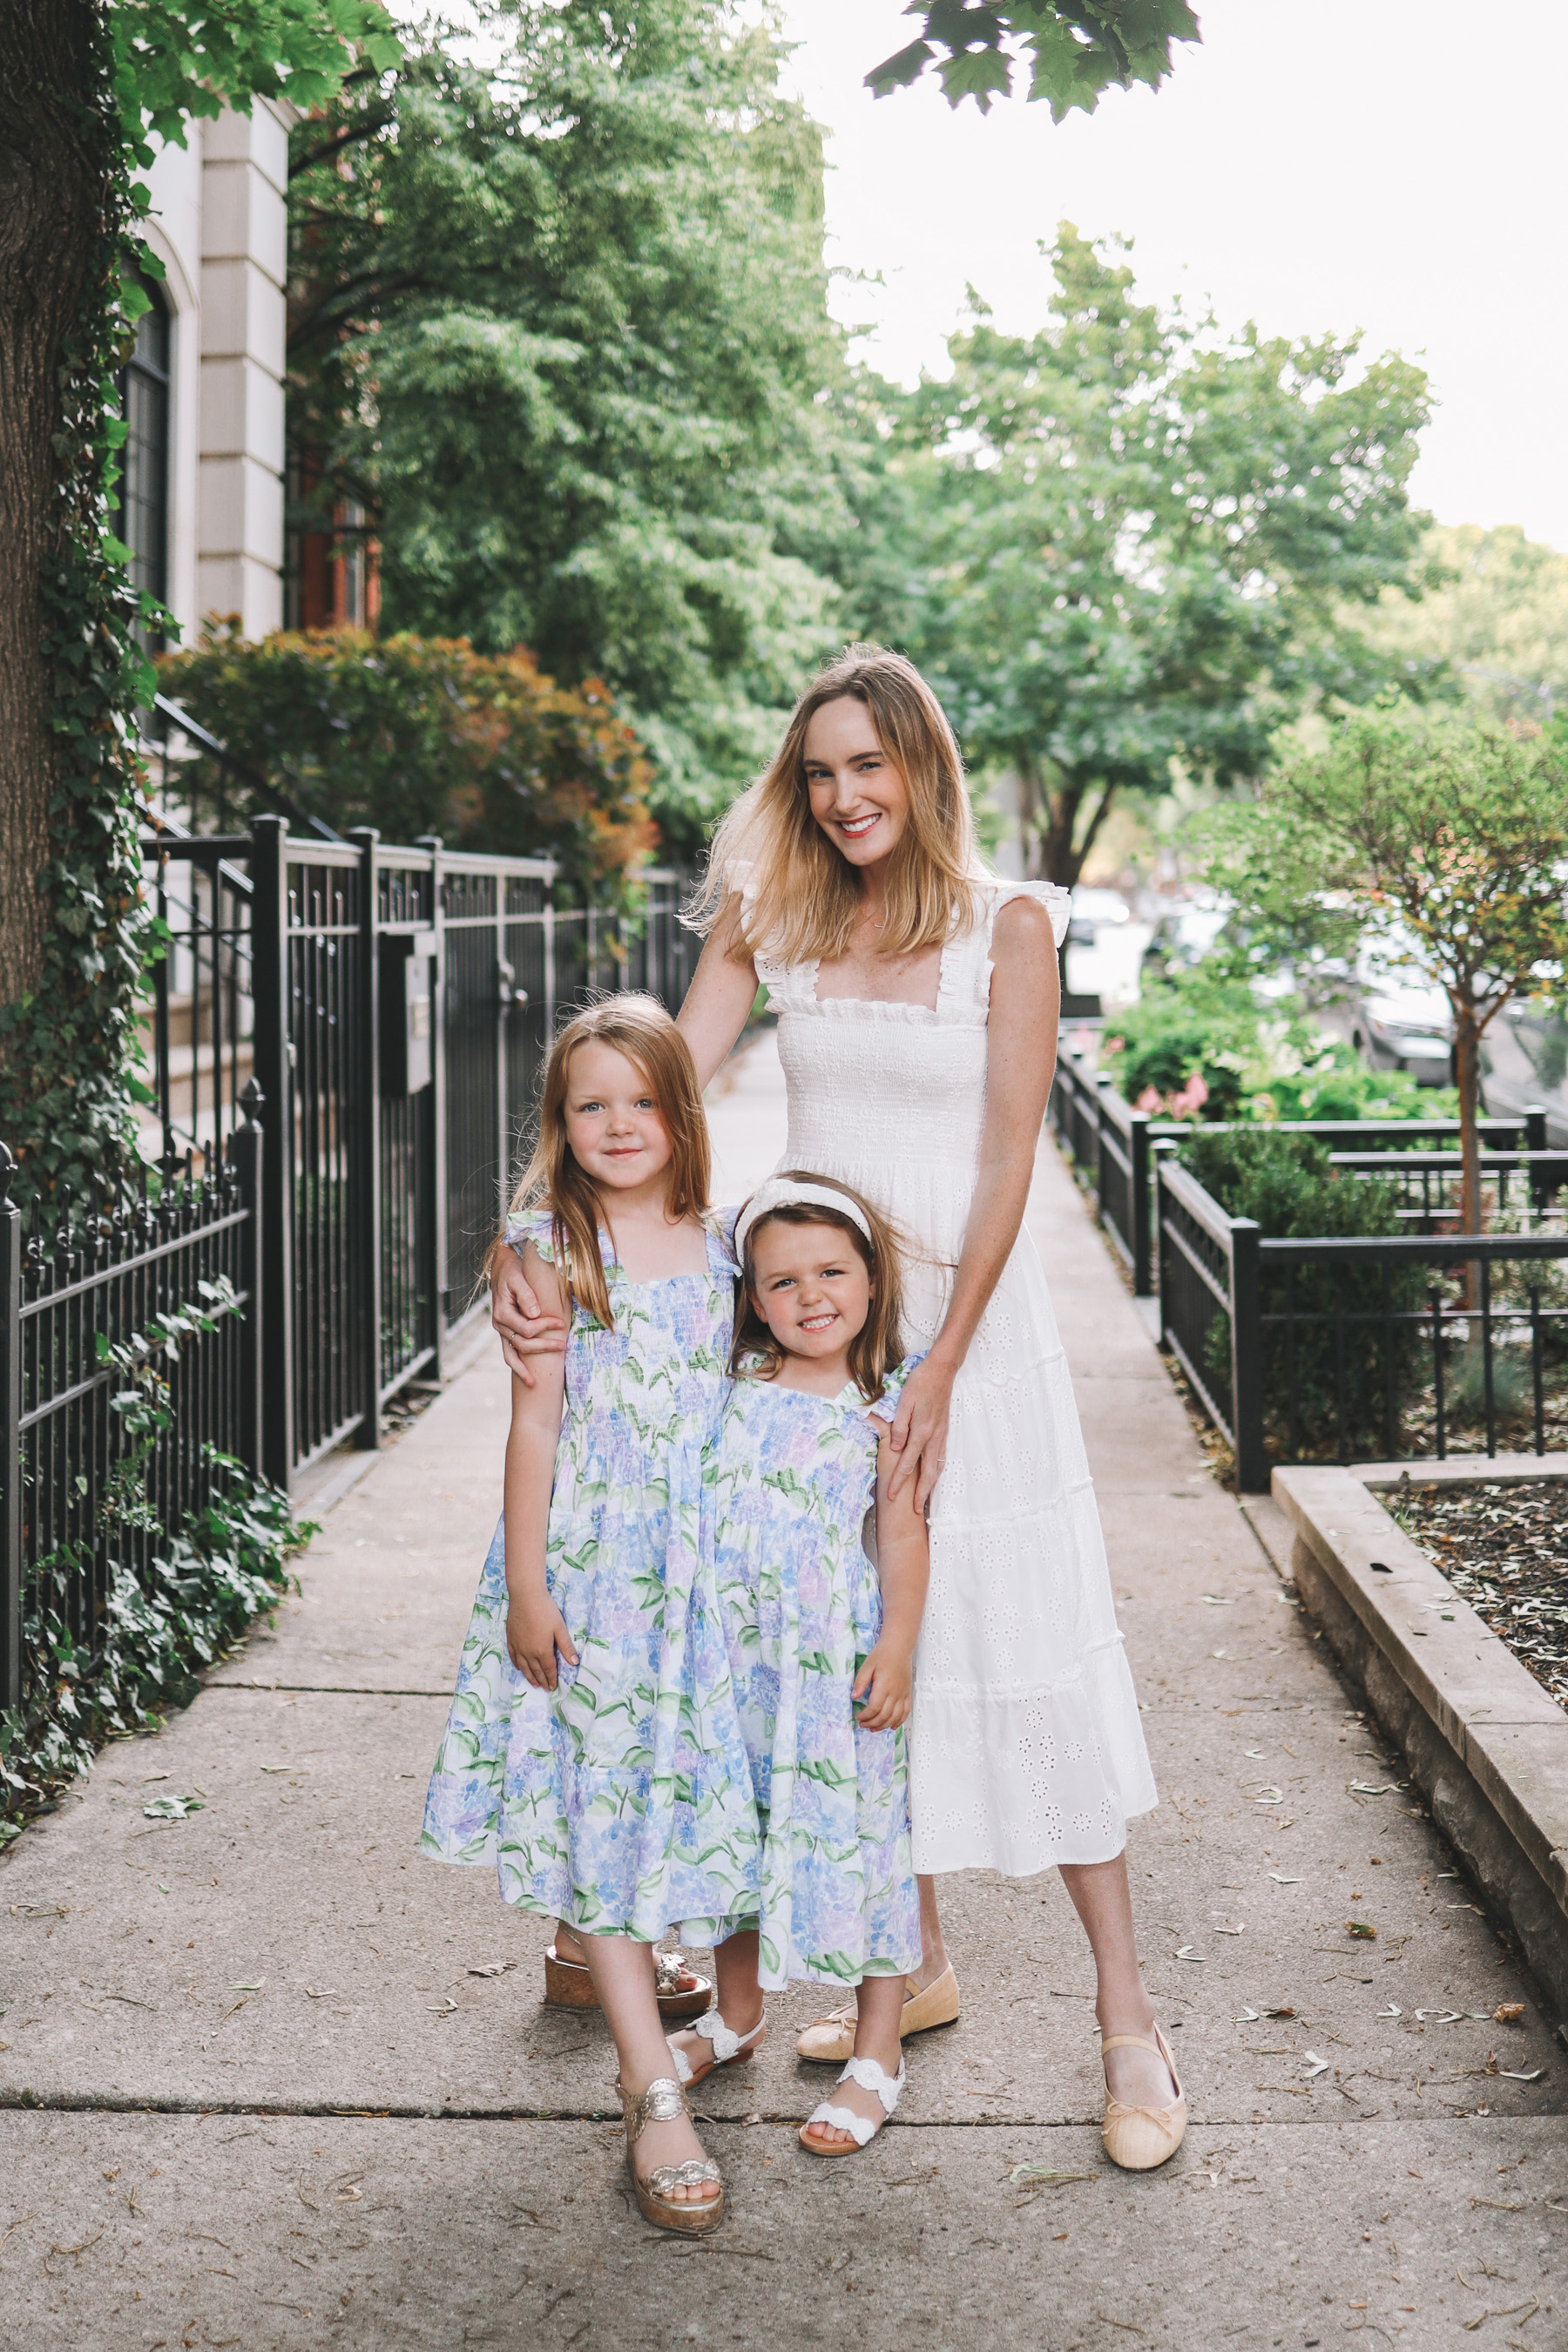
x=1139 y=2138
x=830 y=2040
x=681 y=1993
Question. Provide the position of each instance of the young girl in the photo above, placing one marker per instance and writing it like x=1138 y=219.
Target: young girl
x=823 y=1636
x=595 y=1749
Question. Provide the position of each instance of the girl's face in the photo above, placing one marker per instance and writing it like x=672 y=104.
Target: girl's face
x=857 y=796
x=614 y=1128
x=810 y=1286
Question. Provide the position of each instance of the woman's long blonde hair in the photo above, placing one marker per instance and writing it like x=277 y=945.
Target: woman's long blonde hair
x=877 y=1348
x=803 y=897
x=640 y=1028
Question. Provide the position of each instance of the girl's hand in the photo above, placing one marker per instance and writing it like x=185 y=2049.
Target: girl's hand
x=884 y=1688
x=535 y=1630
x=919 y=1431
x=520 y=1320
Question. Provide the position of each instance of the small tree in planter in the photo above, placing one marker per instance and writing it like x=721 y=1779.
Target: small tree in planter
x=1439 y=832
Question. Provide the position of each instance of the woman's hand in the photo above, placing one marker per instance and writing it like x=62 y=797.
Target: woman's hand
x=535 y=1630
x=884 y=1688
x=919 y=1430
x=520 y=1320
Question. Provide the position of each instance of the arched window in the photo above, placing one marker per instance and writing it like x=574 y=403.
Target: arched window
x=143 y=520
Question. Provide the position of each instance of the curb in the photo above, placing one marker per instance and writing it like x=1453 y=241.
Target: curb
x=1486 y=1744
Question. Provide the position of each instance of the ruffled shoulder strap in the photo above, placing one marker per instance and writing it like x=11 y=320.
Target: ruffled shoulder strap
x=966 y=964
x=721 y=1225
x=786 y=983
x=887 y=1404
x=535 y=1225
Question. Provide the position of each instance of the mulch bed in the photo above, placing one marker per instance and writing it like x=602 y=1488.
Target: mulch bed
x=1505 y=1550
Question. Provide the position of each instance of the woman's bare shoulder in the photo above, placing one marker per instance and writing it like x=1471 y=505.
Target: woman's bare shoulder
x=1023 y=929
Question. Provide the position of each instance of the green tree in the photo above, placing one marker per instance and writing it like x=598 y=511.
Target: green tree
x=1496 y=612
x=1439 y=833
x=1073 y=52
x=561 y=325
x=1137 y=540
x=82 y=91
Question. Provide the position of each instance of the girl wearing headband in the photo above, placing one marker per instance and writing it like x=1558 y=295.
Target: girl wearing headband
x=824 y=1579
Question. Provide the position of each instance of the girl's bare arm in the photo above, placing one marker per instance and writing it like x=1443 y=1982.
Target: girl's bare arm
x=721 y=994
x=535 y=1628
x=886 y=1682
x=1020 y=1061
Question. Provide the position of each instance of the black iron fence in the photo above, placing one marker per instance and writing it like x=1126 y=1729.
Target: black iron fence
x=1379 y=1348
x=112 y=1310
x=1113 y=1149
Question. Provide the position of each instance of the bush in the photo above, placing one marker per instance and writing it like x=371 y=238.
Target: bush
x=422 y=735
x=1285 y=1183
x=1199 y=1046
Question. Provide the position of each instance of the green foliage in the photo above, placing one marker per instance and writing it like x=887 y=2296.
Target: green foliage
x=1497 y=612
x=561 y=325
x=420 y=736
x=1135 y=541
x=176 y=58
x=1075 y=52
x=204 y=1585
x=1437 y=832
x=1286 y=1184
x=1257 y=1061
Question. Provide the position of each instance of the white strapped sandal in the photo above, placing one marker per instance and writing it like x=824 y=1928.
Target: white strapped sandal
x=727 y=2046
x=862 y=2128
x=691 y=2217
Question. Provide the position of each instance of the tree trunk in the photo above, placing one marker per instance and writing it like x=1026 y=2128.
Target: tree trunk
x=1049 y=822
x=50 y=191
x=1467 y=1073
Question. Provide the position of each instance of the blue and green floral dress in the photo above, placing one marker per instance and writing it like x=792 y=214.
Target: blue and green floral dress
x=622 y=1800
x=796 y=1478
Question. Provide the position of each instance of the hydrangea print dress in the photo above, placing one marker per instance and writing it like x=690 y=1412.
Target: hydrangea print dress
x=796 y=1476
x=622 y=1800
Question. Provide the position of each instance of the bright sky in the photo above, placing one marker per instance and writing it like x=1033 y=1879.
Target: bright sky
x=1387 y=164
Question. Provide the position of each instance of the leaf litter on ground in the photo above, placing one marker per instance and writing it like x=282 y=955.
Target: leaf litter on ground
x=171 y=1808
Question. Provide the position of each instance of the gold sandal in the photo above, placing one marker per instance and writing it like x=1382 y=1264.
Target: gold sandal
x=1139 y=2138
x=681 y=1993
x=664 y=2102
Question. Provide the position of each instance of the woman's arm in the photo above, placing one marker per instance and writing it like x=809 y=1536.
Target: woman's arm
x=1020 y=1060
x=885 y=1683
x=535 y=1628
x=721 y=994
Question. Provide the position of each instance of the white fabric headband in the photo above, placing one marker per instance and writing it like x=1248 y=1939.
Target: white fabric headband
x=779 y=1193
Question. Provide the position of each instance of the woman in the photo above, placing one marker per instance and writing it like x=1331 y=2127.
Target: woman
x=917 y=1001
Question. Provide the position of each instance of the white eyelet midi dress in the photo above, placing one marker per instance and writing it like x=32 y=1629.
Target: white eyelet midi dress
x=1025 y=1748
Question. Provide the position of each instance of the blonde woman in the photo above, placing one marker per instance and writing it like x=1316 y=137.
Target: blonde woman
x=916 y=1000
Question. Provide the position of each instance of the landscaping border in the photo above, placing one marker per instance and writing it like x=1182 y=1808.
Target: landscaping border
x=1486 y=1744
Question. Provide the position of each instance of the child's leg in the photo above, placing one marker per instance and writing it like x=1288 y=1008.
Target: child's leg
x=738 y=1997
x=622 y=1970
x=879 y=2004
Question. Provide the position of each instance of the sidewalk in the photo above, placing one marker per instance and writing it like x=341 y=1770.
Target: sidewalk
x=317 y=2099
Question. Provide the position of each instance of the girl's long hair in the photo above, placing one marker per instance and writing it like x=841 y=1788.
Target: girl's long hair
x=803 y=897
x=878 y=1347
x=639 y=1028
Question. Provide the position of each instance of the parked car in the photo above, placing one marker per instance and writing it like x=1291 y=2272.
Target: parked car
x=1524 y=1061
x=1392 y=1014
x=1182 y=934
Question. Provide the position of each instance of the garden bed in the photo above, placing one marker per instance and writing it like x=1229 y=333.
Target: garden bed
x=1505 y=1550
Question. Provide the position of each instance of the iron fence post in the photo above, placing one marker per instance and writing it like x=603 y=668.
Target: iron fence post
x=1138 y=1153
x=1101 y=1088
x=365 y=1159
x=246 y=1151
x=10 y=1438
x=272 y=1061
x=435 y=1166
x=1246 y=1355
x=1535 y=1127
x=1165 y=1149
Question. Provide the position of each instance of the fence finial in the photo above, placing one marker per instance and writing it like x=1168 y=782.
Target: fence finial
x=7 y=1170
x=253 y=1101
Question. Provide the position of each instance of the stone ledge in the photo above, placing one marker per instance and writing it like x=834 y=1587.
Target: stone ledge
x=1486 y=1745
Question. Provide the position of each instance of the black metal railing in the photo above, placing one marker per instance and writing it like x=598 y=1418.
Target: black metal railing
x=85 y=1294
x=1375 y=1348
x=1113 y=1150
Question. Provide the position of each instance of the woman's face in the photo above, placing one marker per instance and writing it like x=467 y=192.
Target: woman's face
x=857 y=796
